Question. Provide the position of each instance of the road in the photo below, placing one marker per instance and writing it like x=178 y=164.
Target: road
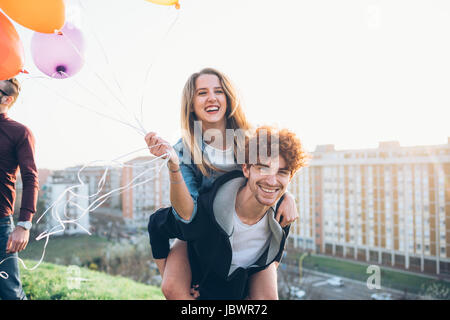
x=316 y=287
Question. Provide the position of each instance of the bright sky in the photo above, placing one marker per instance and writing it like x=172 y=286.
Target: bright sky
x=349 y=73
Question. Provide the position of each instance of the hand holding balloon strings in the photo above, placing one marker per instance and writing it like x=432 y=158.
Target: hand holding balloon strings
x=162 y=148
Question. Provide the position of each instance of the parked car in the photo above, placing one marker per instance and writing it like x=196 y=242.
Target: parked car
x=381 y=296
x=335 y=281
x=297 y=293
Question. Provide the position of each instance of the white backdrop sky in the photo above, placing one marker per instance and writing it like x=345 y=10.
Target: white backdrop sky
x=349 y=73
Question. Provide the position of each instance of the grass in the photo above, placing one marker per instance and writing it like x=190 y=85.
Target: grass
x=54 y=282
x=389 y=278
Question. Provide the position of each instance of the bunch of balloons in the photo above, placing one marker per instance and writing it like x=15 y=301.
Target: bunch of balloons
x=44 y=16
x=57 y=46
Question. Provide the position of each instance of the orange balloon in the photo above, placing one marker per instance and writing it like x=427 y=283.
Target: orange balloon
x=11 y=50
x=43 y=16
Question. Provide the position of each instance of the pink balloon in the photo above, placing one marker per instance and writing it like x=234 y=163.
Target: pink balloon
x=59 y=55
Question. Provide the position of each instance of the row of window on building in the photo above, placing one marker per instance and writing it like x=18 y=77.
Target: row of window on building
x=386 y=204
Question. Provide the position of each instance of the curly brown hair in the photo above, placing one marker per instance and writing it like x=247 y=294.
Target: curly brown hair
x=288 y=144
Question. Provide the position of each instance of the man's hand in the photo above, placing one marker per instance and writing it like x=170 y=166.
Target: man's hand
x=287 y=210
x=17 y=240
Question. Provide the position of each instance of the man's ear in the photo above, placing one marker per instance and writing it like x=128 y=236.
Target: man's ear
x=246 y=170
x=6 y=100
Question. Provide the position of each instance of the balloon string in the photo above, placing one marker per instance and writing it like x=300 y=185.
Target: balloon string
x=4 y=274
x=100 y=78
x=92 y=31
x=93 y=206
x=69 y=190
x=62 y=75
x=95 y=203
x=139 y=130
x=100 y=99
x=103 y=179
x=166 y=35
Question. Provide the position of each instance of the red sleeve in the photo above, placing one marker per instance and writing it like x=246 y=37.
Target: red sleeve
x=29 y=174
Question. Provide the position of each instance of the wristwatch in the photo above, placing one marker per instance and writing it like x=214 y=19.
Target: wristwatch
x=25 y=224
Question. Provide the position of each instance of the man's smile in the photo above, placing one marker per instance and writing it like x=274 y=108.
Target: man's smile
x=269 y=190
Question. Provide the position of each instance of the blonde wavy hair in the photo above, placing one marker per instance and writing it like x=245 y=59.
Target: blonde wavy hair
x=235 y=118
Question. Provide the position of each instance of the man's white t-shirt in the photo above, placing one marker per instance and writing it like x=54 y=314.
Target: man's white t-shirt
x=249 y=242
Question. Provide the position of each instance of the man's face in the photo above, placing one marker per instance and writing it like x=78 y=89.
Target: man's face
x=2 y=92
x=268 y=179
x=5 y=98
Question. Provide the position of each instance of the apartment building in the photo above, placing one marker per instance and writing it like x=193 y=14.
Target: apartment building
x=103 y=183
x=146 y=188
x=389 y=205
x=67 y=205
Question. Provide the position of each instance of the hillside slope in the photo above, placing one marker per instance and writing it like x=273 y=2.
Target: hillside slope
x=55 y=282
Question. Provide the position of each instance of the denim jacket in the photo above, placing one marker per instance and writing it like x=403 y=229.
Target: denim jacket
x=193 y=177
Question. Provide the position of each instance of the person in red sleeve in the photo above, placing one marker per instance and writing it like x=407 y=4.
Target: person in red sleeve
x=16 y=151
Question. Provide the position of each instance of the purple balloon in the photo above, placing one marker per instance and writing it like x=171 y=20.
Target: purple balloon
x=59 y=55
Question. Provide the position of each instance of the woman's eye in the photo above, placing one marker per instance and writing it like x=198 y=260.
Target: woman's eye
x=219 y=92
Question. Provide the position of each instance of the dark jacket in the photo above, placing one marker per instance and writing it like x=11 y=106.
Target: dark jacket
x=208 y=237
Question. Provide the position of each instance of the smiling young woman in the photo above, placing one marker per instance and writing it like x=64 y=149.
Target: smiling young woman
x=207 y=90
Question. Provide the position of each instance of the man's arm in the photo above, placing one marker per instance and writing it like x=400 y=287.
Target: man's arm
x=29 y=176
x=19 y=238
x=287 y=211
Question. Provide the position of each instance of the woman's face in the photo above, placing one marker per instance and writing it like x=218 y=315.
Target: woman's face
x=210 y=102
